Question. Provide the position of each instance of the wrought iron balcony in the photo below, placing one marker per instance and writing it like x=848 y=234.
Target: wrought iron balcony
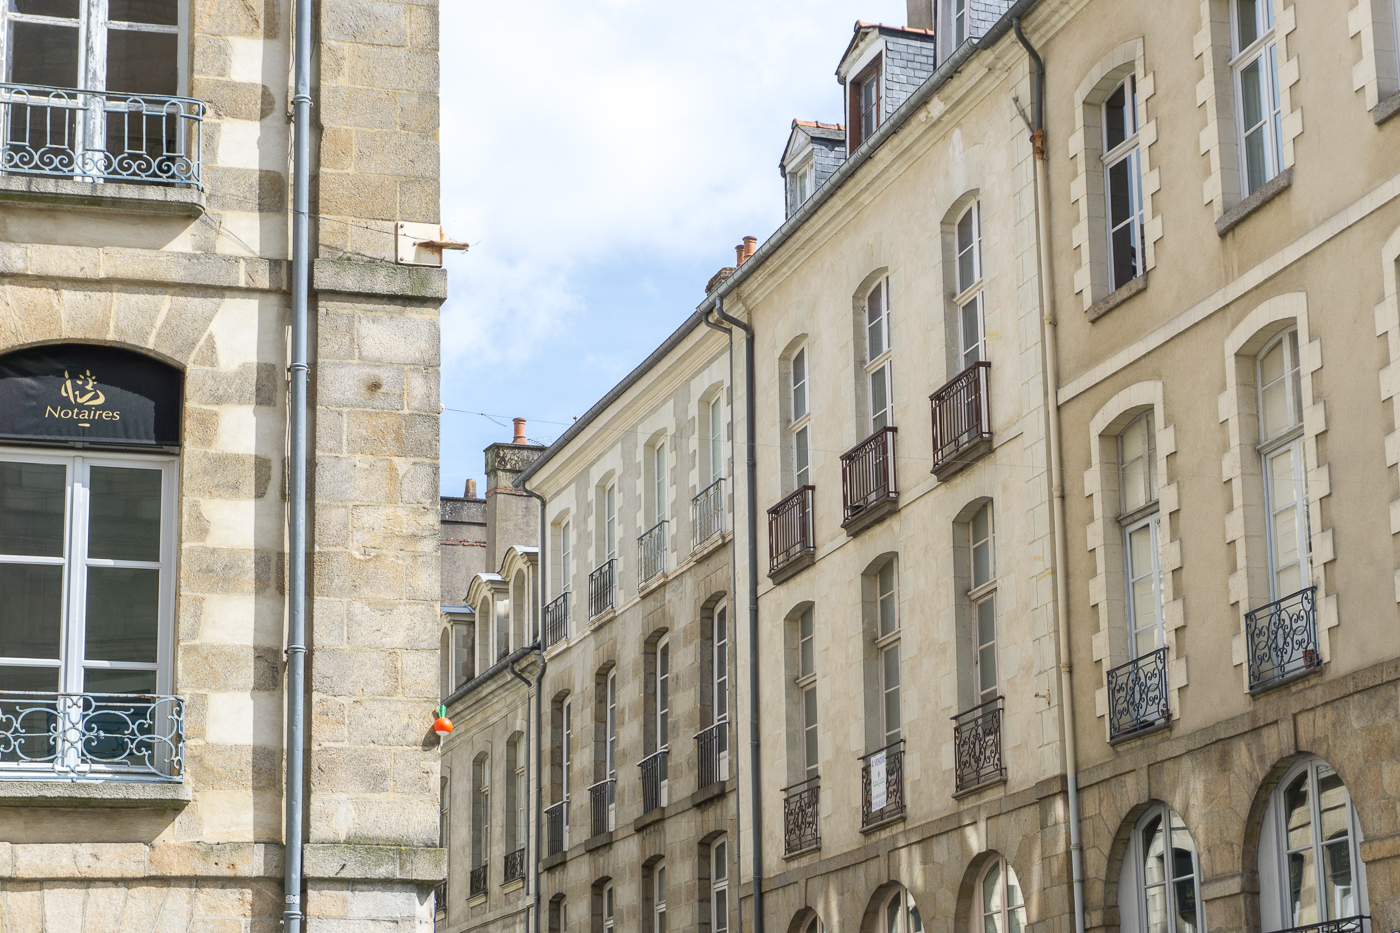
x=476 y=882
x=602 y=806
x=888 y=764
x=101 y=135
x=1281 y=639
x=712 y=755
x=1361 y=923
x=962 y=419
x=439 y=904
x=707 y=514
x=1138 y=699
x=556 y=828
x=868 y=483
x=651 y=551
x=801 y=825
x=556 y=620
x=120 y=736
x=977 y=746
x=654 y=779
x=602 y=589
x=513 y=868
x=791 y=541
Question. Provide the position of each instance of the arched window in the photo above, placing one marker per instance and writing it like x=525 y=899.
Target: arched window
x=1138 y=516
x=800 y=423
x=983 y=596
x=879 y=366
x=898 y=914
x=520 y=612
x=1285 y=480
x=814 y=925
x=1122 y=184
x=1310 y=870
x=1000 y=907
x=609 y=920
x=719 y=886
x=1159 y=887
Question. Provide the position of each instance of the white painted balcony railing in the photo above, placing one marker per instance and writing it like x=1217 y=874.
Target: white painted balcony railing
x=117 y=736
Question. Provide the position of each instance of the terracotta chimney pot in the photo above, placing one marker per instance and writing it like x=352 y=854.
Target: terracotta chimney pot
x=739 y=255
x=750 y=247
x=519 y=432
x=471 y=489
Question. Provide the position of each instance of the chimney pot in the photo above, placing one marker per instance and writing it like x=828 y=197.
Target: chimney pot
x=519 y=432
x=750 y=247
x=739 y=255
x=471 y=489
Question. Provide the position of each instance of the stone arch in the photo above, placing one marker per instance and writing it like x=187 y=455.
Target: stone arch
x=967 y=888
x=802 y=920
x=872 y=920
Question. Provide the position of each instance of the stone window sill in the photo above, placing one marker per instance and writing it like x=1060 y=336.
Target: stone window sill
x=110 y=197
x=1385 y=109
x=1118 y=296
x=1266 y=193
x=88 y=794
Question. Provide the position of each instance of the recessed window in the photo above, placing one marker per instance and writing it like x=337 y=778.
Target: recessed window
x=879 y=366
x=716 y=437
x=1122 y=184
x=609 y=908
x=870 y=105
x=1281 y=451
x=887 y=649
x=984 y=611
x=899 y=915
x=659 y=898
x=959 y=22
x=1001 y=907
x=972 y=347
x=1159 y=889
x=566 y=556
x=1137 y=478
x=719 y=886
x=801 y=422
x=1258 y=112
x=807 y=692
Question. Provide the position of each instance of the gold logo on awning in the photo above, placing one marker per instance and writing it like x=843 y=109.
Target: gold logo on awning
x=83 y=391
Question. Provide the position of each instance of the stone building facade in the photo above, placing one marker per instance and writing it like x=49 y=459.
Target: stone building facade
x=640 y=762
x=146 y=277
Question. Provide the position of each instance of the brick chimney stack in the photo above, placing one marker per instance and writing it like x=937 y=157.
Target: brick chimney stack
x=920 y=13
x=471 y=489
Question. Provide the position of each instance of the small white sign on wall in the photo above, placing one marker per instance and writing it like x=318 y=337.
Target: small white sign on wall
x=878 y=798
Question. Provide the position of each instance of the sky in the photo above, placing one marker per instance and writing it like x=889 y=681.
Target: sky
x=603 y=159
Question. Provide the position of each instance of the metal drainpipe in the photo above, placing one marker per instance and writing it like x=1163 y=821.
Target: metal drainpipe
x=541 y=587
x=751 y=481
x=1050 y=338
x=537 y=747
x=296 y=578
x=733 y=578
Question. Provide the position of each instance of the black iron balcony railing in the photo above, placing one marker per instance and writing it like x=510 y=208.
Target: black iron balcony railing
x=801 y=826
x=790 y=533
x=977 y=745
x=439 y=904
x=868 y=474
x=712 y=755
x=654 y=779
x=1138 y=699
x=962 y=417
x=707 y=514
x=476 y=882
x=602 y=589
x=556 y=828
x=651 y=551
x=112 y=735
x=101 y=135
x=602 y=806
x=882 y=784
x=556 y=620
x=513 y=868
x=1281 y=639
x=1359 y=924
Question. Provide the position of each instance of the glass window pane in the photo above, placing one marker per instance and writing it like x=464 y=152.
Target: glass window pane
x=156 y=12
x=59 y=9
x=1297 y=814
x=971 y=318
x=123 y=609
x=1302 y=888
x=31 y=610
x=98 y=680
x=38 y=679
x=879 y=397
x=47 y=55
x=981 y=563
x=1154 y=869
x=1336 y=876
x=124 y=514
x=141 y=63
x=1331 y=804
x=986 y=622
x=1247 y=22
x=32 y=508
x=991 y=890
x=1255 y=158
x=986 y=669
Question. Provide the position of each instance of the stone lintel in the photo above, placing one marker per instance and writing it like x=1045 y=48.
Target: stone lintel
x=355 y=277
x=347 y=862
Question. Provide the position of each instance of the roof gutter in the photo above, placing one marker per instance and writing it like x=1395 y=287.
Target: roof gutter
x=855 y=160
x=479 y=681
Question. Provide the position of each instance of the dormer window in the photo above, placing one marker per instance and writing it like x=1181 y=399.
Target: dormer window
x=868 y=95
x=802 y=183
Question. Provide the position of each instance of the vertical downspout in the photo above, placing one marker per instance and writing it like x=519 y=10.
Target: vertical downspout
x=537 y=746
x=751 y=481
x=542 y=588
x=733 y=582
x=296 y=577
x=1050 y=338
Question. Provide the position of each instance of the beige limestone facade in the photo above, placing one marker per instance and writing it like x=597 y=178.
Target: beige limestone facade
x=175 y=260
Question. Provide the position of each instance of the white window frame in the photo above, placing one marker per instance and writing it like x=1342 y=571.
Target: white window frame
x=1274 y=894
x=1124 y=153
x=960 y=23
x=566 y=555
x=887 y=646
x=610 y=746
x=663 y=696
x=481 y=822
x=609 y=908
x=800 y=429
x=802 y=182
x=898 y=914
x=869 y=108
x=806 y=682
x=986 y=667
x=610 y=522
x=1287 y=441
x=1131 y=575
x=566 y=755
x=1264 y=49
x=997 y=913
x=658 y=482
x=1134 y=882
x=520 y=818
x=658 y=897
x=970 y=295
x=71 y=665
x=879 y=366
x=719 y=682
x=719 y=885
x=716 y=439
x=93 y=25
x=814 y=925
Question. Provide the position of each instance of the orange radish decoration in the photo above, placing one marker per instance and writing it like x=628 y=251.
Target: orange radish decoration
x=443 y=726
